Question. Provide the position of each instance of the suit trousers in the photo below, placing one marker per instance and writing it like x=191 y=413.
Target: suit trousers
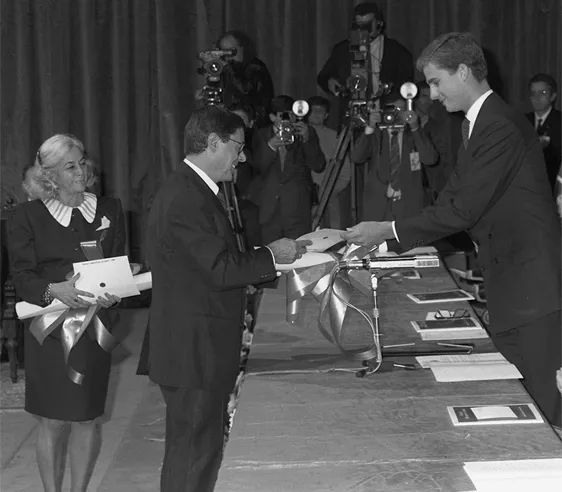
x=536 y=349
x=195 y=425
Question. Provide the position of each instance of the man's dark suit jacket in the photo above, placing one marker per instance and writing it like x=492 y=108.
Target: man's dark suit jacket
x=291 y=186
x=397 y=66
x=552 y=127
x=198 y=293
x=374 y=149
x=499 y=192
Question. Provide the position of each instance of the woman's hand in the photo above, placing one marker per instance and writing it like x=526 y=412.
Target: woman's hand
x=67 y=293
x=108 y=301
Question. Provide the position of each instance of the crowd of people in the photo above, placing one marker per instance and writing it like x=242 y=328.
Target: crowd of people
x=461 y=160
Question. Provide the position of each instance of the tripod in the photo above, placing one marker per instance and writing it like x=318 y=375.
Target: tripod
x=344 y=147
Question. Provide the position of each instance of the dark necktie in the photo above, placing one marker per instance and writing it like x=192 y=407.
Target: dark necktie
x=394 y=155
x=539 y=123
x=464 y=130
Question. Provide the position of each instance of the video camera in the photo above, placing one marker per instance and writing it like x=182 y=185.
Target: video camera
x=212 y=67
x=285 y=130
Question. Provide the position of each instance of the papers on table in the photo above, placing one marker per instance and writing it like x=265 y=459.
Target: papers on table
x=441 y=296
x=469 y=367
x=449 y=328
x=517 y=413
x=544 y=475
x=108 y=275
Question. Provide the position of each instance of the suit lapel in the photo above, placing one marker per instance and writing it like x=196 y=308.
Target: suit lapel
x=219 y=213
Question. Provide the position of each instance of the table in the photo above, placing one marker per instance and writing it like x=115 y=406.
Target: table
x=317 y=431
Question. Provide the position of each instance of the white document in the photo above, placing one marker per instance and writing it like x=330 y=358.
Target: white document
x=323 y=239
x=26 y=310
x=454 y=334
x=427 y=360
x=446 y=373
x=544 y=475
x=309 y=259
x=108 y=275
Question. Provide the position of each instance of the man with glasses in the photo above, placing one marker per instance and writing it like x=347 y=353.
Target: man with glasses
x=199 y=279
x=546 y=120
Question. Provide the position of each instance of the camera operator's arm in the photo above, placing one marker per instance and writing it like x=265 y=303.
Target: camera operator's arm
x=329 y=77
x=313 y=154
x=368 y=141
x=265 y=150
x=426 y=150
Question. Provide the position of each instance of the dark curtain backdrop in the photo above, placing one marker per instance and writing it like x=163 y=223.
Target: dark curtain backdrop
x=120 y=74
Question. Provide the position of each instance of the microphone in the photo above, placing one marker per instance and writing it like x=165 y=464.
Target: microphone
x=391 y=262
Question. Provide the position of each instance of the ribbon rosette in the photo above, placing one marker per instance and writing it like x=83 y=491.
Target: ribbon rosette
x=75 y=321
x=74 y=324
x=333 y=287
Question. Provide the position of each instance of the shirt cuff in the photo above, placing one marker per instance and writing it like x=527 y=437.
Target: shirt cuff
x=383 y=248
x=394 y=230
x=369 y=130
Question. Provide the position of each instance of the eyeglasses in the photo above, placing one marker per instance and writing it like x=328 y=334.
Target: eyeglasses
x=544 y=92
x=242 y=144
x=448 y=314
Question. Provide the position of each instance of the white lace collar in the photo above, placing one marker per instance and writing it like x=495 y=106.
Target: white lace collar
x=63 y=213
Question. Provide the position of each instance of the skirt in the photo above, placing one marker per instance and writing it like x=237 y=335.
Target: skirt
x=50 y=393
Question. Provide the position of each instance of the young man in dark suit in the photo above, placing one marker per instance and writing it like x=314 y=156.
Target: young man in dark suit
x=499 y=193
x=198 y=294
x=547 y=122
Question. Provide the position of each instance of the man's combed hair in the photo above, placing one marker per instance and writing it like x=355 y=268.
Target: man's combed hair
x=319 y=101
x=547 y=79
x=448 y=51
x=281 y=104
x=205 y=121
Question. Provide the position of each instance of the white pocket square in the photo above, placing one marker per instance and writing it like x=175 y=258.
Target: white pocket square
x=105 y=223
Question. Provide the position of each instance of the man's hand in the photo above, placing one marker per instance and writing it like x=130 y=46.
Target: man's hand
x=288 y=250
x=334 y=86
x=369 y=234
x=411 y=118
x=275 y=142
x=302 y=130
x=375 y=117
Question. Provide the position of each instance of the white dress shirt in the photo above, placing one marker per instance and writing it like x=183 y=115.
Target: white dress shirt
x=541 y=118
x=204 y=176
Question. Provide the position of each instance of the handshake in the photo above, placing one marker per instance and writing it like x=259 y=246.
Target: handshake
x=287 y=251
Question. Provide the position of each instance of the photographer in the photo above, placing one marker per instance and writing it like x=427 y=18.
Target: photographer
x=389 y=61
x=285 y=168
x=245 y=80
x=396 y=149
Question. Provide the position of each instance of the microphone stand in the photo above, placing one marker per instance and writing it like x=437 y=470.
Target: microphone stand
x=387 y=265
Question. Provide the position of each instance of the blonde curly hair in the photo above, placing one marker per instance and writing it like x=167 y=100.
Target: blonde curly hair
x=39 y=179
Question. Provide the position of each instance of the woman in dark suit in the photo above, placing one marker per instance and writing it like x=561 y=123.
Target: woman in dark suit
x=45 y=240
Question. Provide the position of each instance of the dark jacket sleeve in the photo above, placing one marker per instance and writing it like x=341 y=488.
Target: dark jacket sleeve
x=331 y=69
x=264 y=155
x=427 y=151
x=26 y=277
x=363 y=148
x=465 y=199
x=119 y=239
x=193 y=231
x=314 y=157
